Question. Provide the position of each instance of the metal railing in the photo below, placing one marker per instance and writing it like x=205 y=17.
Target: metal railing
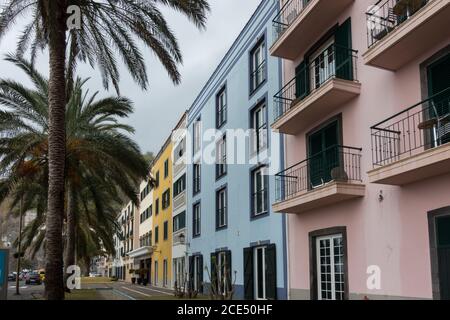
x=334 y=62
x=288 y=13
x=221 y=116
x=386 y=15
x=258 y=76
x=197 y=186
x=420 y=127
x=336 y=163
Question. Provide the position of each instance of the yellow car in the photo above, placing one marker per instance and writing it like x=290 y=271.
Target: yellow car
x=42 y=275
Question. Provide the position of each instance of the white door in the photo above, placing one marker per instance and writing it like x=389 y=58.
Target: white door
x=330 y=268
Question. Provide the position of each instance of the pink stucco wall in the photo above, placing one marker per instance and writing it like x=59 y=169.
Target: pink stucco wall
x=392 y=234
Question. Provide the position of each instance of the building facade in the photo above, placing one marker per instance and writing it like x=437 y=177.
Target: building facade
x=235 y=242
x=162 y=217
x=365 y=114
x=142 y=254
x=179 y=201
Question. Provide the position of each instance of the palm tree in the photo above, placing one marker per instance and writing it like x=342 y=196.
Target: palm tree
x=98 y=151
x=105 y=26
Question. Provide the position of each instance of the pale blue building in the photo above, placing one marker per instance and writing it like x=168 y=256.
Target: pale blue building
x=229 y=216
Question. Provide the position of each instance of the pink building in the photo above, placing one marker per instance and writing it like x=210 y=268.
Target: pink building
x=366 y=115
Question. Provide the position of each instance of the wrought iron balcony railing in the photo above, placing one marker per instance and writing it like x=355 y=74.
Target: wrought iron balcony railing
x=336 y=163
x=422 y=126
x=288 y=13
x=386 y=15
x=334 y=62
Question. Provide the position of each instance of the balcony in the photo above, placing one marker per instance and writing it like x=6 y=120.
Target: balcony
x=329 y=177
x=301 y=22
x=401 y=30
x=414 y=144
x=319 y=88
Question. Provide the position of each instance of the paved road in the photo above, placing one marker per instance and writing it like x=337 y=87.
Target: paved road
x=106 y=291
x=126 y=291
x=27 y=292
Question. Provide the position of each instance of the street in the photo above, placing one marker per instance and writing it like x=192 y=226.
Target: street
x=95 y=291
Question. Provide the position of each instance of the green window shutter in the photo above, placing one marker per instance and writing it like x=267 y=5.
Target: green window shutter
x=213 y=271
x=248 y=274
x=271 y=273
x=200 y=272
x=302 y=80
x=191 y=272
x=229 y=269
x=344 y=59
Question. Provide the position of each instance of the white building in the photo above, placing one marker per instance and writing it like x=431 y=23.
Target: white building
x=179 y=266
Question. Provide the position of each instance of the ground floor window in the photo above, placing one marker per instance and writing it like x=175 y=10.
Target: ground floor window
x=260 y=272
x=221 y=272
x=179 y=272
x=156 y=274
x=196 y=272
x=165 y=271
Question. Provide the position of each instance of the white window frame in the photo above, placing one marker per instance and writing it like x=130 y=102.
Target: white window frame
x=222 y=272
x=259 y=125
x=221 y=155
x=255 y=190
x=264 y=272
x=222 y=207
x=221 y=106
x=196 y=272
x=258 y=59
x=319 y=264
x=197 y=217
x=326 y=69
x=197 y=135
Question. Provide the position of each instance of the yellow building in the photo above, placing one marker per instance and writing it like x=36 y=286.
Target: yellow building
x=162 y=216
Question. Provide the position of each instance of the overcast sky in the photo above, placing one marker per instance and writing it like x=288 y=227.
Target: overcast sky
x=158 y=109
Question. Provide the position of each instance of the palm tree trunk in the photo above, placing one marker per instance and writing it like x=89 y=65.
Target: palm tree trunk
x=54 y=286
x=70 y=233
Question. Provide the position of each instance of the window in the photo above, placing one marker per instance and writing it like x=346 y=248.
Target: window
x=196 y=271
x=221 y=271
x=323 y=65
x=259 y=191
x=196 y=220
x=221 y=208
x=179 y=186
x=178 y=154
x=257 y=65
x=260 y=273
x=179 y=271
x=221 y=108
x=166 y=168
x=179 y=221
x=156 y=234
x=196 y=178
x=330 y=267
x=324 y=153
x=166 y=230
x=156 y=273
x=157 y=179
x=197 y=135
x=156 y=206
x=221 y=157
x=166 y=199
x=146 y=214
x=165 y=269
x=259 y=127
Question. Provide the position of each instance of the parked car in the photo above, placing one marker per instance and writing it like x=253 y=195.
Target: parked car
x=33 y=278
x=11 y=277
x=42 y=274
